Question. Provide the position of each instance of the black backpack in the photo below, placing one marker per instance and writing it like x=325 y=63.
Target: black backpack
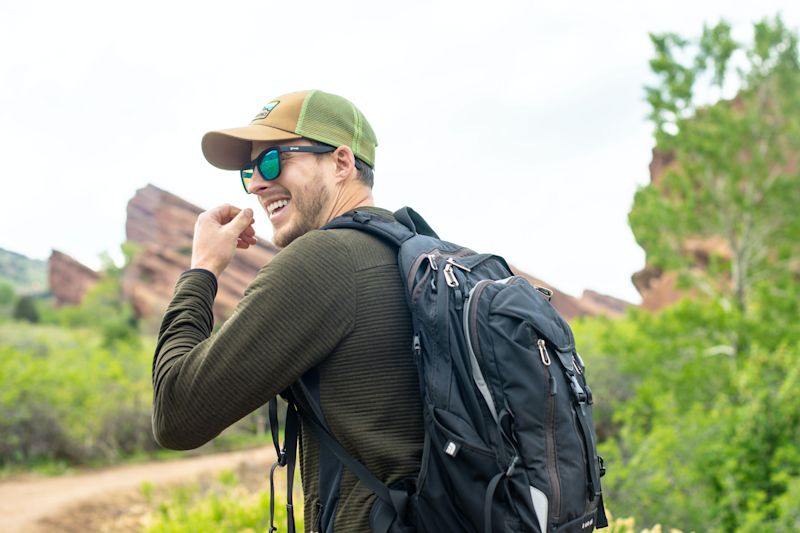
x=509 y=439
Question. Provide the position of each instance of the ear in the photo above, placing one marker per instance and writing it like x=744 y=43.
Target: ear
x=345 y=163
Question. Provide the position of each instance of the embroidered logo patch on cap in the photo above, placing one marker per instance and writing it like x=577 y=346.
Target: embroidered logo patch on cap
x=266 y=110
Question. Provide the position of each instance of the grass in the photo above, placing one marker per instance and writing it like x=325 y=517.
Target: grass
x=226 y=505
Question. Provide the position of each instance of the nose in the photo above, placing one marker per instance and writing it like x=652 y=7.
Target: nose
x=257 y=183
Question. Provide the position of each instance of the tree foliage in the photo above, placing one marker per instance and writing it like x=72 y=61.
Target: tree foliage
x=699 y=404
x=25 y=309
x=734 y=182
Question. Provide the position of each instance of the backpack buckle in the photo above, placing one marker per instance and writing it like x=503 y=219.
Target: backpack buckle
x=282 y=457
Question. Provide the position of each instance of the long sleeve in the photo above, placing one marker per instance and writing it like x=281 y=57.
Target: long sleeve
x=293 y=315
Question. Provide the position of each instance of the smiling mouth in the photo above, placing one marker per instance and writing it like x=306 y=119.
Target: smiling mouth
x=276 y=207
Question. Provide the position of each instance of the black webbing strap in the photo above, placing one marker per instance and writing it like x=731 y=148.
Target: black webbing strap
x=601 y=520
x=592 y=463
x=488 y=499
x=314 y=416
x=286 y=456
x=581 y=398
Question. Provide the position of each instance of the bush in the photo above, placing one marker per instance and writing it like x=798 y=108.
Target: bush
x=25 y=309
x=64 y=396
x=225 y=506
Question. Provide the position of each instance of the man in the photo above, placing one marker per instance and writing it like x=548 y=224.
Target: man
x=330 y=305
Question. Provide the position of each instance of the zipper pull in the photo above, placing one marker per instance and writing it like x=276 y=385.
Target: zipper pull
x=449 y=276
x=452 y=261
x=543 y=355
x=432 y=261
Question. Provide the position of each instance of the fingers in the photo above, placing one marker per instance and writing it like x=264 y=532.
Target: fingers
x=222 y=214
x=241 y=221
x=245 y=241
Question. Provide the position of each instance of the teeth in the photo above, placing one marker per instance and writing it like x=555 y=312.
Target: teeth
x=276 y=205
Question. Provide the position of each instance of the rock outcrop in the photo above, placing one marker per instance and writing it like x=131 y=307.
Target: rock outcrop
x=591 y=303
x=660 y=289
x=69 y=279
x=160 y=226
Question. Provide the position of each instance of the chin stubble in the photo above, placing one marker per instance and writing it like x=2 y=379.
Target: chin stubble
x=308 y=207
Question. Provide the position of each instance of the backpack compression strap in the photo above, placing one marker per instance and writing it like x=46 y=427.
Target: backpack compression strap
x=286 y=456
x=312 y=412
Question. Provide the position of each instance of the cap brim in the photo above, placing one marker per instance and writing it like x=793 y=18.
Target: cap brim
x=230 y=149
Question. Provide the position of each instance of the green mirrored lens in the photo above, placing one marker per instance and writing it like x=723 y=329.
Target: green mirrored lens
x=270 y=165
x=247 y=177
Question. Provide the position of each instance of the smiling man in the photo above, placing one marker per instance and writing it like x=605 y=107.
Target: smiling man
x=330 y=307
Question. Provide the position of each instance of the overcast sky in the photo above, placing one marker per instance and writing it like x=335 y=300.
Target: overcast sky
x=513 y=127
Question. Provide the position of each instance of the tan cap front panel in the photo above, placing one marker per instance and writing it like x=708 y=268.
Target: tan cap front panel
x=285 y=113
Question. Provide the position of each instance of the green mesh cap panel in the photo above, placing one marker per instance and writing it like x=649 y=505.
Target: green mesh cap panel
x=331 y=119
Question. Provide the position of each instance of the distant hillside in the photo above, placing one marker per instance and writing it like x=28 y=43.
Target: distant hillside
x=24 y=274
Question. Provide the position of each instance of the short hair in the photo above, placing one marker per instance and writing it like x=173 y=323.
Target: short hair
x=364 y=171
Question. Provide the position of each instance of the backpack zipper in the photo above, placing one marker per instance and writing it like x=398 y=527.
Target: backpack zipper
x=470 y=327
x=431 y=258
x=470 y=320
x=449 y=275
x=549 y=433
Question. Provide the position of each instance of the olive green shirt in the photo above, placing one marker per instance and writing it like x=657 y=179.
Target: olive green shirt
x=334 y=300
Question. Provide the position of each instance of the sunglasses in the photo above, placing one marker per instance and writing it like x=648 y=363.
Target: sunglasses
x=268 y=162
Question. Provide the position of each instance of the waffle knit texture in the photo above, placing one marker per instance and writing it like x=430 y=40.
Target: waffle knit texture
x=332 y=299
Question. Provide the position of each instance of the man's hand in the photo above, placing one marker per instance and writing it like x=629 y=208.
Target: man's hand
x=217 y=234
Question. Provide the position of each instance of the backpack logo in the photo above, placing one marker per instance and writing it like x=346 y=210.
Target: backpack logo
x=266 y=110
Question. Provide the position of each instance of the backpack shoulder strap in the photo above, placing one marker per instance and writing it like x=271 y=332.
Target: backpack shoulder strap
x=407 y=223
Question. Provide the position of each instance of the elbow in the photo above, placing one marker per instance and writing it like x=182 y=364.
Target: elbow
x=171 y=434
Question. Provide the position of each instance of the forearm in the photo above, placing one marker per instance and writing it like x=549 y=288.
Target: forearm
x=203 y=384
x=187 y=322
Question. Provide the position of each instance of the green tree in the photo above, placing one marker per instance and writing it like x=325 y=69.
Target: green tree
x=734 y=179
x=703 y=395
x=6 y=294
x=25 y=309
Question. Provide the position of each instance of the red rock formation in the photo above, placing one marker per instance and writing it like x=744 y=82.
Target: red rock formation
x=595 y=303
x=160 y=227
x=69 y=280
x=659 y=289
x=590 y=304
x=162 y=224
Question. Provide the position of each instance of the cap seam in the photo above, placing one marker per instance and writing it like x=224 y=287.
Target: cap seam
x=302 y=116
x=356 y=129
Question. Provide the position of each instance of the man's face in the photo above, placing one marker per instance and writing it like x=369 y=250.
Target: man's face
x=297 y=201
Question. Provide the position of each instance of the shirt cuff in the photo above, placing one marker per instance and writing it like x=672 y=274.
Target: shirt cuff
x=204 y=272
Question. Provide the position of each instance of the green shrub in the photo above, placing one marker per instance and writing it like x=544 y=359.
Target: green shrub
x=224 y=507
x=64 y=396
x=25 y=309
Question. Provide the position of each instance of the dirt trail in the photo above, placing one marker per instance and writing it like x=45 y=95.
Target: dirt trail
x=27 y=505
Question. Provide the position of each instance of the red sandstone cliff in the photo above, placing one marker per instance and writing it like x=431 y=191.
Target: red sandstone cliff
x=68 y=279
x=659 y=289
x=161 y=225
x=591 y=303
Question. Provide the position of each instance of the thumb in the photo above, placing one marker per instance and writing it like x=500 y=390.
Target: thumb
x=242 y=220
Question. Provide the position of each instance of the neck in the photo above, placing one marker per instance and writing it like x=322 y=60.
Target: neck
x=349 y=199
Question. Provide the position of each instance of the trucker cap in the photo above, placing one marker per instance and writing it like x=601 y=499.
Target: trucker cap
x=316 y=115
